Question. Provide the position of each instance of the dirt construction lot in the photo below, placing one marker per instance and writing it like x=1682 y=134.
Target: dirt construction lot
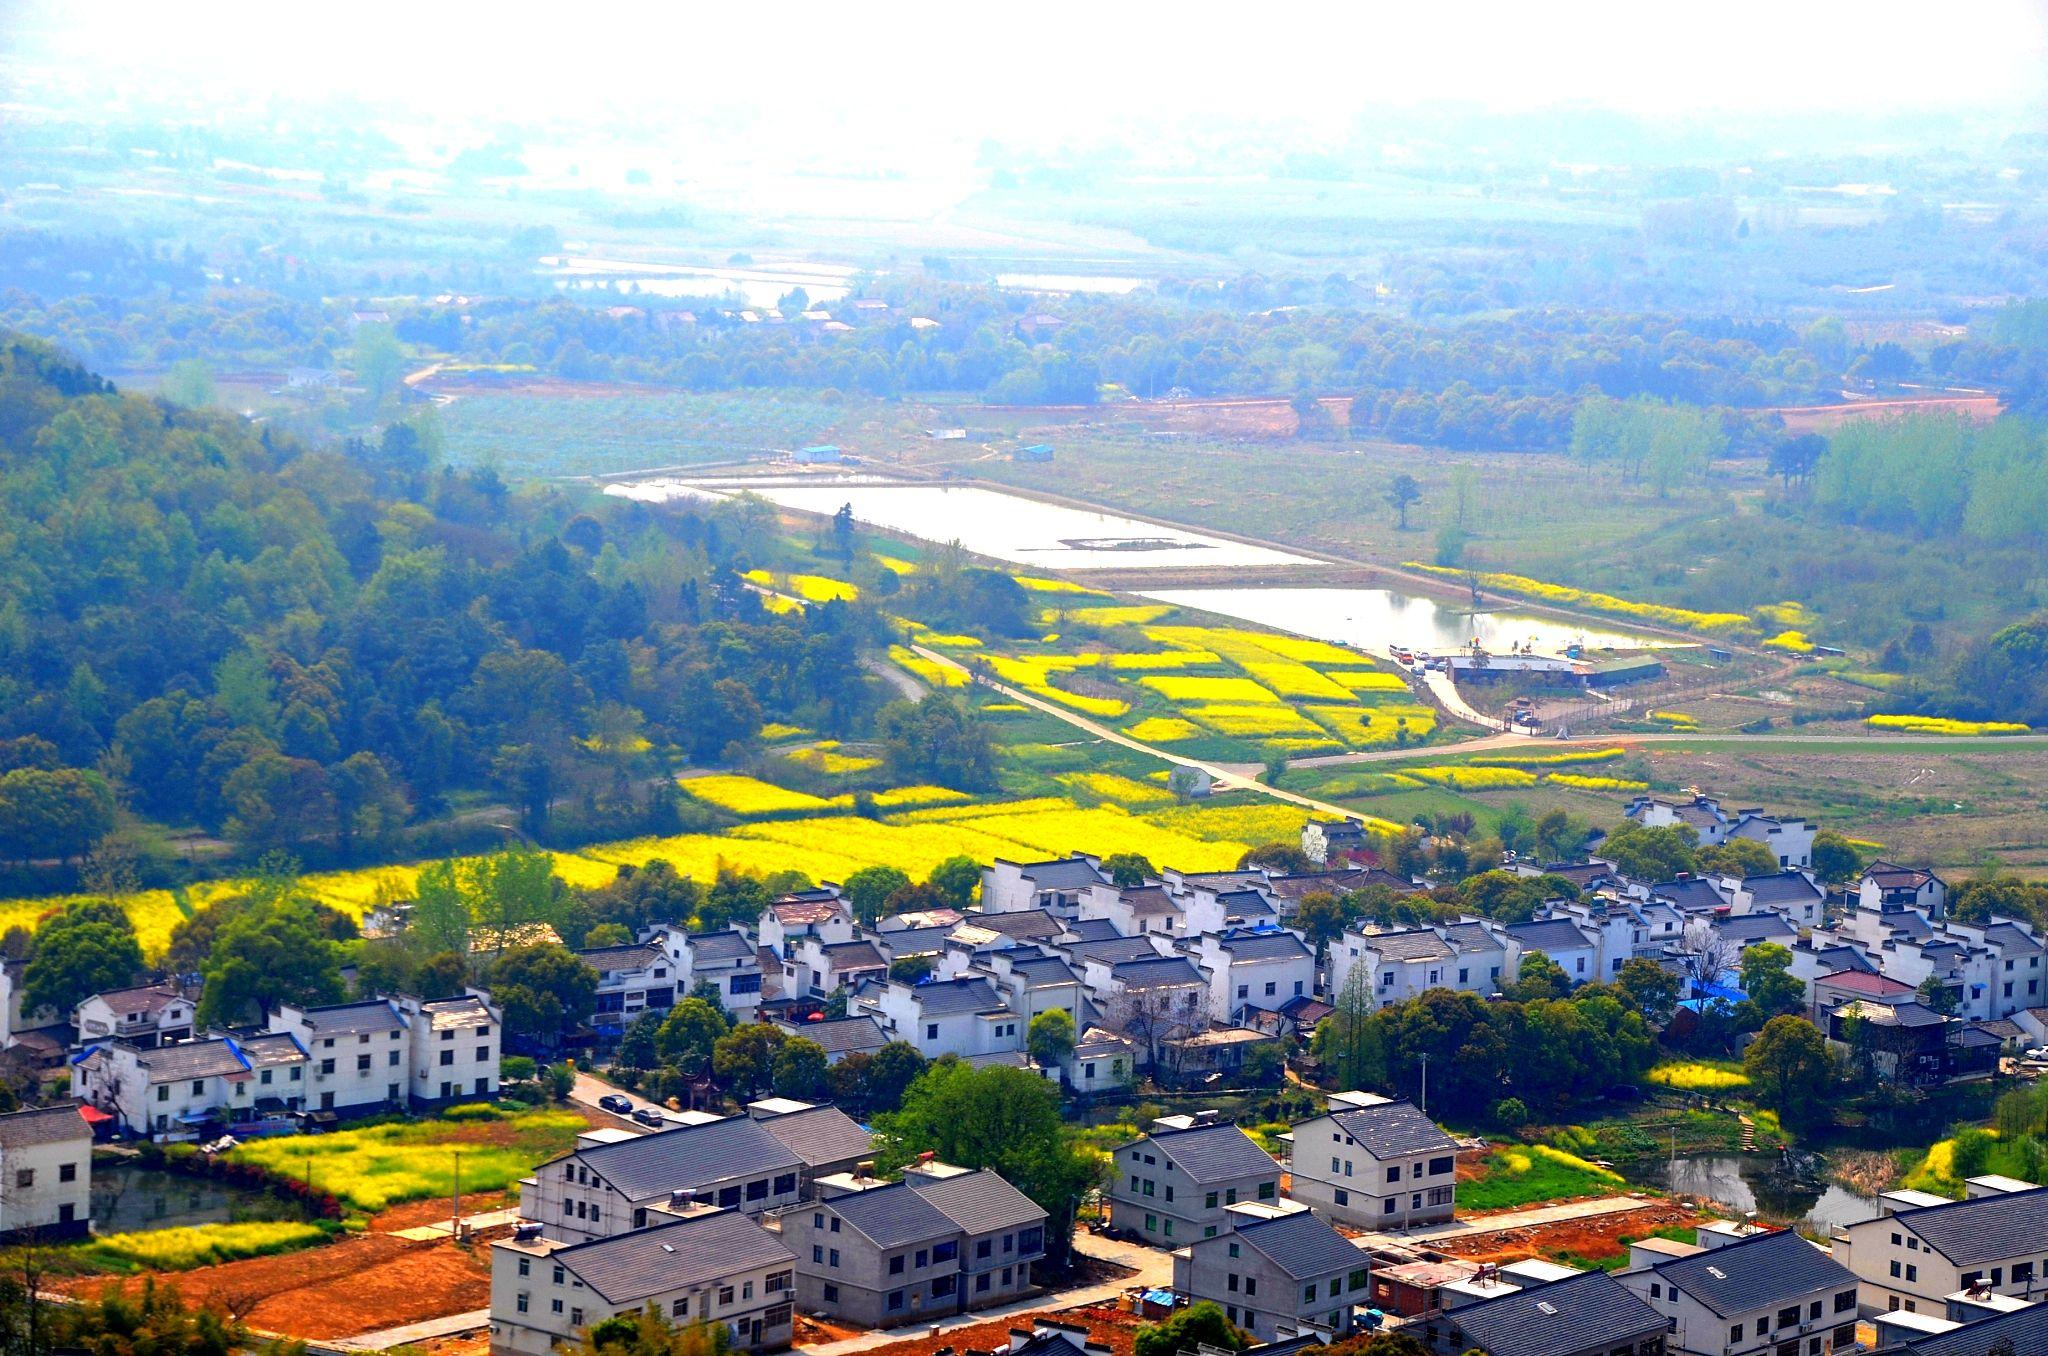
x=360 y=1284
x=1589 y=1240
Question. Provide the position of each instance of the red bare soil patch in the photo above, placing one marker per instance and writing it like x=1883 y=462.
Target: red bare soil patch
x=358 y=1285
x=1592 y=1239
x=1113 y=1328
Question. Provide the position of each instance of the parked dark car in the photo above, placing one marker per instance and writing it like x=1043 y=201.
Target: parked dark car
x=616 y=1104
x=649 y=1115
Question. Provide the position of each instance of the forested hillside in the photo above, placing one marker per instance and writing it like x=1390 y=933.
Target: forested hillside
x=313 y=649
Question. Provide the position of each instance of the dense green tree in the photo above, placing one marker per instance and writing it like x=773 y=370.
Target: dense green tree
x=745 y=1058
x=1199 y=1325
x=865 y=891
x=1650 y=988
x=1739 y=857
x=1648 y=854
x=1768 y=980
x=958 y=881
x=1050 y=1038
x=1538 y=977
x=940 y=740
x=1789 y=1066
x=1834 y=860
x=799 y=1070
x=544 y=989
x=58 y=812
x=274 y=953
x=1126 y=869
x=80 y=952
x=690 y=1034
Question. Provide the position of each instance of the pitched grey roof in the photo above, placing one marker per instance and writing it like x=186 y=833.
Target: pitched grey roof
x=1783 y=887
x=968 y=993
x=1214 y=1153
x=1303 y=1245
x=853 y=956
x=1579 y=1313
x=893 y=1216
x=1245 y=904
x=1695 y=893
x=913 y=941
x=822 y=1134
x=2023 y=1331
x=1757 y=1273
x=688 y=1157
x=43 y=1125
x=1394 y=1128
x=1070 y=873
x=629 y=1267
x=1756 y=927
x=1149 y=901
x=194 y=1059
x=1986 y=1230
x=1113 y=950
x=354 y=1019
x=1548 y=935
x=1042 y=970
x=1092 y=930
x=632 y=956
x=1156 y=972
x=2011 y=940
x=979 y=1202
x=1025 y=923
x=1264 y=944
x=1410 y=944
x=720 y=946
x=151 y=998
x=843 y=1035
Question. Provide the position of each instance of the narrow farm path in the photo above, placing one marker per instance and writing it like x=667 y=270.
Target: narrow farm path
x=1524 y=1219
x=1223 y=776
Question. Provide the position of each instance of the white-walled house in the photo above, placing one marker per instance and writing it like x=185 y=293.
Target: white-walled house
x=963 y=1016
x=45 y=1173
x=176 y=1092
x=360 y=1055
x=819 y=913
x=615 y=1182
x=1253 y=969
x=718 y=1266
x=1057 y=885
x=1887 y=886
x=1575 y=950
x=1748 y=1297
x=727 y=962
x=148 y=1014
x=1032 y=981
x=1375 y=1162
x=1468 y=957
x=456 y=1047
x=636 y=977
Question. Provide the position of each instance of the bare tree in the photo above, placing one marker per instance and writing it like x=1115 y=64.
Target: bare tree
x=1151 y=1017
x=1705 y=954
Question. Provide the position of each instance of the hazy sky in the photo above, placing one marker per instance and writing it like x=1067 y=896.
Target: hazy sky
x=1032 y=70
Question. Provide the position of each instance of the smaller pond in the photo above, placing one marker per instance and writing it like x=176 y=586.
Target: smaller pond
x=127 y=1197
x=1747 y=1182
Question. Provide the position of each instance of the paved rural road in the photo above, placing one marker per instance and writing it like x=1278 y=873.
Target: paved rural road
x=1875 y=744
x=384 y=1339
x=1152 y=1267
x=1223 y=776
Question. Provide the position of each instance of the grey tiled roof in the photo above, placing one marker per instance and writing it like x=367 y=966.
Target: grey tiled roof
x=194 y=1059
x=689 y=1157
x=1756 y=927
x=1092 y=930
x=913 y=941
x=629 y=1267
x=1580 y=1313
x=965 y=994
x=1024 y=923
x=1783 y=887
x=150 y=998
x=1265 y=944
x=1393 y=1129
x=2023 y=1332
x=43 y=1125
x=720 y=946
x=853 y=956
x=893 y=1216
x=1986 y=1230
x=1070 y=873
x=1549 y=935
x=1214 y=1153
x=1411 y=944
x=1156 y=972
x=1757 y=1273
x=1303 y=1245
x=979 y=1202
x=823 y=1134
x=842 y=1036
x=632 y=956
x=1689 y=894
x=1113 y=950
x=353 y=1019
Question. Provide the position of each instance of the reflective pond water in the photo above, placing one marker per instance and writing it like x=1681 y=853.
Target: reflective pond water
x=127 y=1197
x=1752 y=1182
x=1375 y=619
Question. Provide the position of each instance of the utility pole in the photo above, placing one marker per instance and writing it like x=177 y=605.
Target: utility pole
x=455 y=1220
x=1425 y=1085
